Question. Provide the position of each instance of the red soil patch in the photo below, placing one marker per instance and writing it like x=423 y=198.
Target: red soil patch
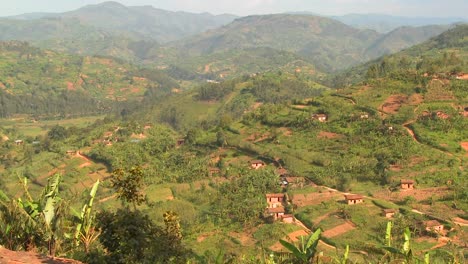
x=257 y=105
x=393 y=103
x=328 y=135
x=107 y=198
x=464 y=145
x=244 y=238
x=286 y=131
x=416 y=99
x=263 y=137
x=16 y=257
x=70 y=86
x=86 y=164
x=138 y=136
x=463 y=77
x=395 y=167
x=339 y=230
x=291 y=237
x=207 y=68
x=135 y=90
x=204 y=236
x=415 y=160
x=139 y=78
x=460 y=221
x=299 y=106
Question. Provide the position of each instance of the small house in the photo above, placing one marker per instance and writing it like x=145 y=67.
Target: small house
x=275 y=199
x=354 y=198
x=277 y=212
x=288 y=218
x=433 y=225
x=256 y=164
x=71 y=152
x=407 y=184
x=389 y=213
x=180 y=142
x=320 y=117
x=364 y=116
x=19 y=142
x=214 y=171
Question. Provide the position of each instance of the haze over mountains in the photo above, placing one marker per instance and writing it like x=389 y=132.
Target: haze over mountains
x=198 y=42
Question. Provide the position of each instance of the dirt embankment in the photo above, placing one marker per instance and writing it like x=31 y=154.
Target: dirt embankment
x=393 y=103
x=21 y=257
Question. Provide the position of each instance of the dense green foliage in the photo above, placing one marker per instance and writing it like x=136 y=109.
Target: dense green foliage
x=38 y=82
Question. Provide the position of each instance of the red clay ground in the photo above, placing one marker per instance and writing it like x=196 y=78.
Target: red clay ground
x=393 y=103
x=328 y=135
x=464 y=145
x=13 y=257
x=463 y=77
x=286 y=131
x=338 y=230
x=291 y=237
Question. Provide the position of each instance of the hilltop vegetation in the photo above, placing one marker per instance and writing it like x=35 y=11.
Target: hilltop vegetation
x=207 y=46
x=176 y=172
x=35 y=81
x=143 y=21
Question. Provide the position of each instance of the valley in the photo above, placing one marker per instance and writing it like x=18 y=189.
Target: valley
x=285 y=138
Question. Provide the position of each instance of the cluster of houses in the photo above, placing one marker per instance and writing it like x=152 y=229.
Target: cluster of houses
x=275 y=209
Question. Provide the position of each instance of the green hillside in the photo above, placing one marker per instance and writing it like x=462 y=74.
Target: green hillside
x=46 y=82
x=403 y=37
x=144 y=21
x=187 y=178
x=444 y=54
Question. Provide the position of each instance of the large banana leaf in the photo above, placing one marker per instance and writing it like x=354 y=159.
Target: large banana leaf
x=84 y=219
x=50 y=196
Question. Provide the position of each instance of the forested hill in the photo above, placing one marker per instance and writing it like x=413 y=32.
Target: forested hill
x=325 y=42
x=445 y=54
x=145 y=21
x=46 y=82
x=328 y=44
x=404 y=37
x=386 y=23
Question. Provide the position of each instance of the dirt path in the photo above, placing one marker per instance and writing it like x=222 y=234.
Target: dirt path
x=107 y=198
x=460 y=221
x=22 y=257
x=339 y=230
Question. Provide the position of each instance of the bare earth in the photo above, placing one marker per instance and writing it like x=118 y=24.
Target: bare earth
x=13 y=257
x=393 y=103
x=338 y=230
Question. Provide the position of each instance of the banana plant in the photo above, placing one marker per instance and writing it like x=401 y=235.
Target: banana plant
x=307 y=249
x=85 y=231
x=405 y=252
x=44 y=209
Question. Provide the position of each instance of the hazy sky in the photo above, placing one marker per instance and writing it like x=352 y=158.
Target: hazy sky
x=427 y=8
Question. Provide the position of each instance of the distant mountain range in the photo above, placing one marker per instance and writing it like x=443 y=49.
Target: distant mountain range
x=326 y=43
x=211 y=45
x=386 y=23
x=144 y=21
